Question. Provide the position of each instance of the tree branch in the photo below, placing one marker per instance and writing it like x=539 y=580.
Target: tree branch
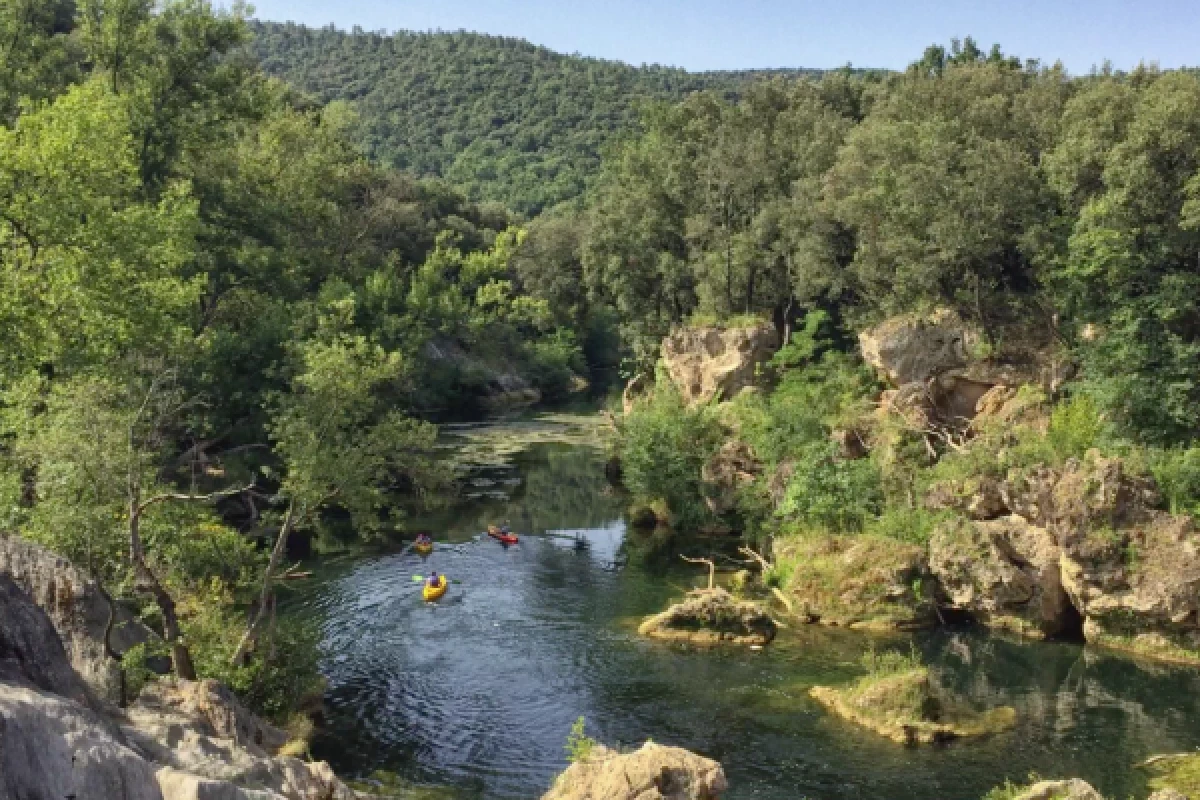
x=197 y=498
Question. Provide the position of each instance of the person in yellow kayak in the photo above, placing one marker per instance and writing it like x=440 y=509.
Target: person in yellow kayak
x=433 y=581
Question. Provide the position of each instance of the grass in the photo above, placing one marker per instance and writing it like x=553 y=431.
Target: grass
x=702 y=319
x=1181 y=773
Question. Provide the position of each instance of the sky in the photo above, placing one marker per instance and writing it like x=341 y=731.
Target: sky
x=742 y=34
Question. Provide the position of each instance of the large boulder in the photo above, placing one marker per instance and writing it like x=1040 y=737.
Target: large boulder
x=31 y=652
x=79 y=610
x=709 y=616
x=914 y=348
x=706 y=362
x=653 y=772
x=1073 y=789
x=1005 y=572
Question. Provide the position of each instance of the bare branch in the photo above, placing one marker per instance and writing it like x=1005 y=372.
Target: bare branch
x=192 y=498
x=712 y=568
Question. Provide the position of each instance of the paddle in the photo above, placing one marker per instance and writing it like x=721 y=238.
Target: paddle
x=421 y=578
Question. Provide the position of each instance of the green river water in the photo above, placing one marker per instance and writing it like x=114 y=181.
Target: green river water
x=478 y=692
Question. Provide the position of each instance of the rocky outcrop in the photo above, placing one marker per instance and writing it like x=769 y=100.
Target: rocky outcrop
x=179 y=741
x=709 y=616
x=1079 y=549
x=653 y=772
x=864 y=582
x=729 y=470
x=706 y=362
x=79 y=610
x=1004 y=571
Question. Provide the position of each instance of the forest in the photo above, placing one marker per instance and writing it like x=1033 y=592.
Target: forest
x=227 y=299
x=503 y=120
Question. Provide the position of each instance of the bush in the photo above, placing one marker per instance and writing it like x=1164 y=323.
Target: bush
x=1177 y=473
x=1075 y=427
x=579 y=745
x=832 y=493
x=664 y=446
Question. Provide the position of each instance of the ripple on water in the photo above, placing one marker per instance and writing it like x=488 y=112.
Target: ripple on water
x=480 y=689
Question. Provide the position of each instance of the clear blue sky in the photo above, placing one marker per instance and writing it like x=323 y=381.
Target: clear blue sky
x=734 y=34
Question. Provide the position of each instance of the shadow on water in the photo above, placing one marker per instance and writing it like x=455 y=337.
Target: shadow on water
x=479 y=691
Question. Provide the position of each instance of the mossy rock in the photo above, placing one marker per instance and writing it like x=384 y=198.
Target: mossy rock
x=908 y=707
x=711 y=616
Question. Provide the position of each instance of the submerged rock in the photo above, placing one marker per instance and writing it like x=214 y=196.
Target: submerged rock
x=653 y=772
x=708 y=616
x=909 y=707
x=705 y=362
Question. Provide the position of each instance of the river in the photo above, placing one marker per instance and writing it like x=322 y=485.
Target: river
x=478 y=692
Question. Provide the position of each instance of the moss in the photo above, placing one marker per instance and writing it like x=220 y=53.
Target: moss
x=1157 y=646
x=1181 y=773
x=908 y=707
x=866 y=581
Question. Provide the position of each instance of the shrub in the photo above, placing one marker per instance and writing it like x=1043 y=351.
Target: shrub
x=579 y=745
x=832 y=493
x=1075 y=427
x=664 y=446
x=1177 y=473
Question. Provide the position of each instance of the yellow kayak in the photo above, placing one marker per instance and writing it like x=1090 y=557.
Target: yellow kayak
x=431 y=593
x=424 y=548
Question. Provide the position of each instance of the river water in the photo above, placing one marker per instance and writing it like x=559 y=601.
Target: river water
x=478 y=692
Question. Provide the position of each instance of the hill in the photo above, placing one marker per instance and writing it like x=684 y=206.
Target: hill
x=504 y=119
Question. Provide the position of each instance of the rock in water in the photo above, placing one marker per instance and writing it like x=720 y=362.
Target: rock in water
x=705 y=362
x=654 y=772
x=1073 y=789
x=709 y=616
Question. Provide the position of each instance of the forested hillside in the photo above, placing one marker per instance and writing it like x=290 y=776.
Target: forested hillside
x=503 y=119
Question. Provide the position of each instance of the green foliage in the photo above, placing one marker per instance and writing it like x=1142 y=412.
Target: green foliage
x=579 y=745
x=509 y=121
x=880 y=664
x=1075 y=427
x=664 y=446
x=832 y=493
x=1177 y=474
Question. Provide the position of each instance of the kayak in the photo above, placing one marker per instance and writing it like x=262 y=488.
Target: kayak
x=503 y=538
x=431 y=593
x=424 y=548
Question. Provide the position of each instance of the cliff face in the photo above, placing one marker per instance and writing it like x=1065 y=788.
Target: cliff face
x=180 y=740
x=706 y=362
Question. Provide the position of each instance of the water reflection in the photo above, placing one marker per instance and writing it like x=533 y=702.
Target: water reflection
x=479 y=691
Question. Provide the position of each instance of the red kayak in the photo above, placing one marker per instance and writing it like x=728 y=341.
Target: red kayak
x=503 y=538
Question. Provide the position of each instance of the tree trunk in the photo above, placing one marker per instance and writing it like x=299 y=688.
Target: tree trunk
x=148 y=582
x=264 y=598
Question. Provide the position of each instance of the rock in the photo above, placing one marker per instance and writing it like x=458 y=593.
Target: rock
x=1073 y=789
x=30 y=650
x=706 y=362
x=732 y=467
x=53 y=747
x=77 y=608
x=208 y=707
x=975 y=498
x=708 y=616
x=1004 y=572
x=862 y=581
x=179 y=741
x=653 y=772
x=914 y=348
x=1167 y=794
x=909 y=707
